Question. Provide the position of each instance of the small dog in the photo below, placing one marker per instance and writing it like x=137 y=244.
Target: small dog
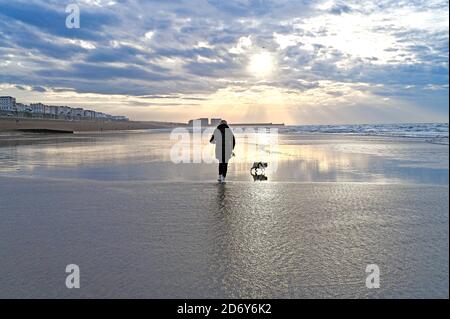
x=258 y=168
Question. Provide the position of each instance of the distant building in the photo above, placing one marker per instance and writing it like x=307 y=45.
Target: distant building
x=204 y=121
x=101 y=116
x=38 y=108
x=77 y=112
x=63 y=111
x=120 y=118
x=7 y=103
x=20 y=107
x=215 y=121
x=89 y=114
x=52 y=110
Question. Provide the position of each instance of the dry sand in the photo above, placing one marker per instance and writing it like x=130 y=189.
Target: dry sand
x=79 y=126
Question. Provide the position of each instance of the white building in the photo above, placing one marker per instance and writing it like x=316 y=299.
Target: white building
x=63 y=111
x=78 y=112
x=7 y=103
x=38 y=108
x=101 y=115
x=204 y=121
x=51 y=110
x=20 y=107
x=89 y=114
x=215 y=121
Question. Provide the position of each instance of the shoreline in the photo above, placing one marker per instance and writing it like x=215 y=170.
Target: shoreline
x=72 y=126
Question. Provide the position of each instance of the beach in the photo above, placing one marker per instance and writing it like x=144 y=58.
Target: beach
x=140 y=226
x=70 y=126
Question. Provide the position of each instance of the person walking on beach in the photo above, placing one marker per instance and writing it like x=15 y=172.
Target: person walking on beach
x=225 y=142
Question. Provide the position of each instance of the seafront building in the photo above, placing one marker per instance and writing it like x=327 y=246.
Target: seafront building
x=63 y=111
x=9 y=108
x=38 y=108
x=7 y=103
x=204 y=121
x=77 y=112
x=216 y=121
x=20 y=107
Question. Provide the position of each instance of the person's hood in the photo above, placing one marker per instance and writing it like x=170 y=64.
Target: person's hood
x=222 y=126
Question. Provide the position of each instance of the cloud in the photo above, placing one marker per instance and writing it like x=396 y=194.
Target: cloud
x=201 y=49
x=51 y=19
x=340 y=9
x=39 y=89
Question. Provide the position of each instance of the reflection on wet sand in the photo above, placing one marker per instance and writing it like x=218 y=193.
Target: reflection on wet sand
x=248 y=243
x=276 y=240
x=156 y=229
x=146 y=156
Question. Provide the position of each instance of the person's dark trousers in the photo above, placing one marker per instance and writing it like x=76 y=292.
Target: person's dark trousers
x=223 y=167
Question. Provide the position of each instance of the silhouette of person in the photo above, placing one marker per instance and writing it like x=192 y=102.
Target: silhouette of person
x=225 y=142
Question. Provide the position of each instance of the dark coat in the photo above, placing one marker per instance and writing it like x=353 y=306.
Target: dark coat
x=225 y=142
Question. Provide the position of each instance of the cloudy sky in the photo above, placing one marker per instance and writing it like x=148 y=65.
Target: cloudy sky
x=298 y=62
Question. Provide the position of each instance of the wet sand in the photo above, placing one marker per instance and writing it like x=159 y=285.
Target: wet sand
x=140 y=226
x=244 y=239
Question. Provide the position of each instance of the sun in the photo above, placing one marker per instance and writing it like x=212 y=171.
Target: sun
x=261 y=64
